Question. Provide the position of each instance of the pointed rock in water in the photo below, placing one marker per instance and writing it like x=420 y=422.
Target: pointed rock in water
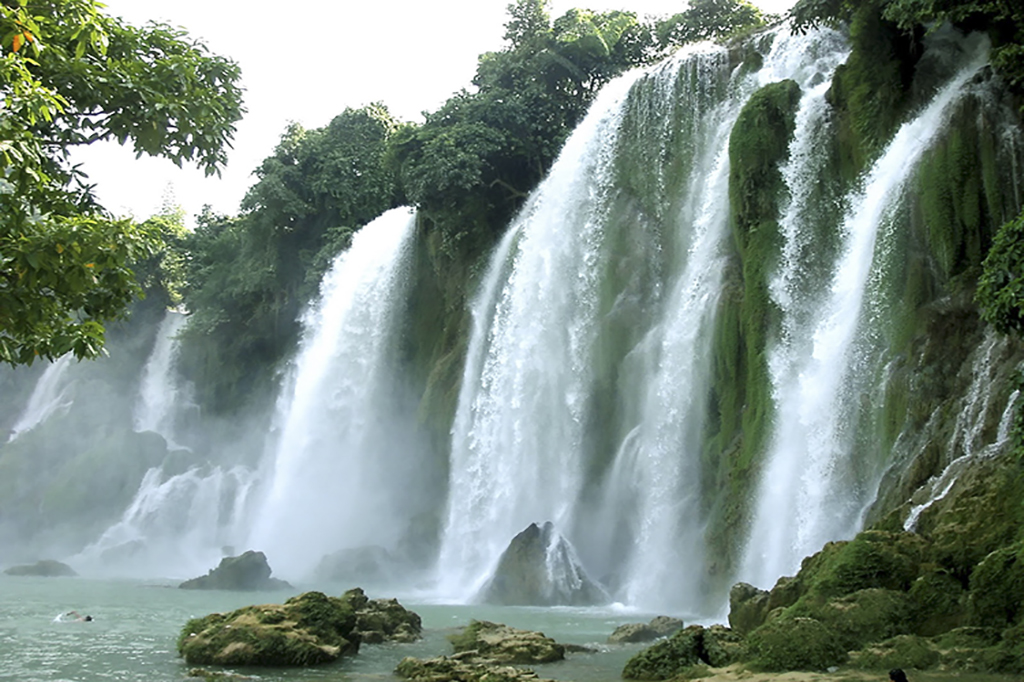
x=540 y=568
x=249 y=571
x=47 y=568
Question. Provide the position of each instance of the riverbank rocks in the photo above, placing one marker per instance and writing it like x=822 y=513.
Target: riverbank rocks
x=498 y=643
x=660 y=626
x=47 y=568
x=308 y=629
x=463 y=668
x=540 y=568
x=716 y=646
x=248 y=571
x=382 y=620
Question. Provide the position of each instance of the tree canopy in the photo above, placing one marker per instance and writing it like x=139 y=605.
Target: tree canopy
x=71 y=75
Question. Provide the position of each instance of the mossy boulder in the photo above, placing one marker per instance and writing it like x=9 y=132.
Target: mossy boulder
x=463 y=668
x=540 y=568
x=996 y=596
x=382 y=620
x=795 y=644
x=902 y=651
x=46 y=568
x=694 y=646
x=873 y=559
x=498 y=643
x=866 y=616
x=939 y=602
x=748 y=607
x=309 y=629
x=248 y=571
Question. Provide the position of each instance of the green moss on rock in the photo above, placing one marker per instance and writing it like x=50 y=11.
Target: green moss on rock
x=309 y=629
x=795 y=644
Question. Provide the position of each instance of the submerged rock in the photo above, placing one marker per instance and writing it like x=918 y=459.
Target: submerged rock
x=540 y=568
x=47 y=568
x=498 y=643
x=382 y=620
x=308 y=629
x=249 y=571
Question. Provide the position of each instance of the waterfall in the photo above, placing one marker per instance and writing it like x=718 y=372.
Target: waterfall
x=159 y=393
x=48 y=396
x=603 y=293
x=518 y=424
x=176 y=526
x=804 y=500
x=342 y=470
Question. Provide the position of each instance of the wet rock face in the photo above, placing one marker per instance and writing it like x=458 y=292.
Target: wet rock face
x=249 y=571
x=540 y=568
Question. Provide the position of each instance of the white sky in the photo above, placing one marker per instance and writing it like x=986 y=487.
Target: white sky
x=305 y=61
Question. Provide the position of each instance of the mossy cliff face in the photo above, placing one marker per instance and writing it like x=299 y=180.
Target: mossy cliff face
x=740 y=410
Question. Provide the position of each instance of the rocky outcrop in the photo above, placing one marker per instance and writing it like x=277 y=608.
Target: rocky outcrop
x=382 y=620
x=498 y=643
x=660 y=626
x=47 y=568
x=540 y=568
x=463 y=667
x=309 y=629
x=249 y=571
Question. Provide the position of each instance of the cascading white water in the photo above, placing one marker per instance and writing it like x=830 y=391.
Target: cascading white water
x=159 y=393
x=803 y=501
x=518 y=427
x=48 y=396
x=342 y=472
x=519 y=451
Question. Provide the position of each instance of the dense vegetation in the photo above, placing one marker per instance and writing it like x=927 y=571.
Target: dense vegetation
x=70 y=75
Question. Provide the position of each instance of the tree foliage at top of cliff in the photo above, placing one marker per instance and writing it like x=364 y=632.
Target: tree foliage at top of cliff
x=248 y=276
x=484 y=150
x=709 y=20
x=1003 y=20
x=71 y=75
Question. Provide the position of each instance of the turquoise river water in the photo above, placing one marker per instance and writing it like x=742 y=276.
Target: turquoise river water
x=137 y=623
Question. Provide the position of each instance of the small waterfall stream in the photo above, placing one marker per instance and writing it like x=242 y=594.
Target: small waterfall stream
x=160 y=395
x=48 y=396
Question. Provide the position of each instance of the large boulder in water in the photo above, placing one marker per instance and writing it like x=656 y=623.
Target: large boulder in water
x=249 y=571
x=308 y=629
x=47 y=568
x=463 y=667
x=540 y=568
